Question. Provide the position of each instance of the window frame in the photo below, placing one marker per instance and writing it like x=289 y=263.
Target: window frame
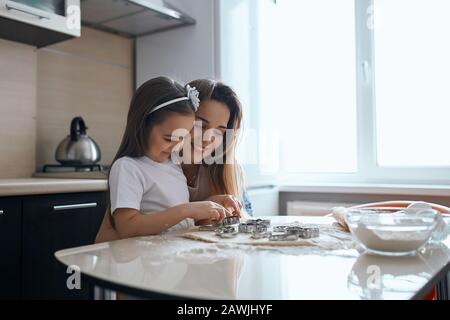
x=368 y=170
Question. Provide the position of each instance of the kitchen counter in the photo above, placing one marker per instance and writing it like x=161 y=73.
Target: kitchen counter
x=170 y=266
x=36 y=186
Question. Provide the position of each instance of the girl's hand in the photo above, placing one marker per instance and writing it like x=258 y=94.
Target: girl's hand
x=206 y=210
x=228 y=201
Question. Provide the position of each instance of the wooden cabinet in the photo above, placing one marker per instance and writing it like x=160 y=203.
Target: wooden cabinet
x=32 y=228
x=10 y=248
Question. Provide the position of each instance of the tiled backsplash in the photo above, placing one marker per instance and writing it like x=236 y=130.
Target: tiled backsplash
x=42 y=90
x=18 y=64
x=90 y=77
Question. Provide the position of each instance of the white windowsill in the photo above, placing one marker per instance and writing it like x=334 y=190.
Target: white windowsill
x=352 y=188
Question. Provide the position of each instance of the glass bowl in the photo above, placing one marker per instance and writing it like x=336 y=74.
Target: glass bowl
x=388 y=278
x=393 y=234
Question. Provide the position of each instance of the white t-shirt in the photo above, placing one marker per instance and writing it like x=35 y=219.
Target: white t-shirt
x=148 y=186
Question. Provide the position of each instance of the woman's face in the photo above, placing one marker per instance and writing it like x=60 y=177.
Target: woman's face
x=210 y=127
x=165 y=136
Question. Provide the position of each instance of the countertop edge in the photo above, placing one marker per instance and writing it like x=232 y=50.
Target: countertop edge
x=41 y=186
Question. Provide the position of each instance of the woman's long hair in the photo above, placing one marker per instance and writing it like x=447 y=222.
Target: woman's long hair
x=140 y=122
x=225 y=177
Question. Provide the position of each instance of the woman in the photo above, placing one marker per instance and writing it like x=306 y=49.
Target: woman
x=218 y=122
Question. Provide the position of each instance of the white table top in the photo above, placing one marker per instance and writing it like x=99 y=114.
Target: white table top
x=174 y=266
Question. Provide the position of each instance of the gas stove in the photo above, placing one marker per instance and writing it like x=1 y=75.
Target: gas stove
x=72 y=168
x=91 y=171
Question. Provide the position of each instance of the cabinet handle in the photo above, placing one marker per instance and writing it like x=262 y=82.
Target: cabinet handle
x=75 y=206
x=10 y=7
x=2 y=212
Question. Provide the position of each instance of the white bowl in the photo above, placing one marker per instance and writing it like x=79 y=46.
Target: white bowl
x=394 y=234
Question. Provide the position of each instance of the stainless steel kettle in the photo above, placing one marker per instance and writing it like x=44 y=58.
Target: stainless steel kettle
x=77 y=148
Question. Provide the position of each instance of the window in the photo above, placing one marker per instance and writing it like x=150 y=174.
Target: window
x=308 y=83
x=412 y=77
x=342 y=91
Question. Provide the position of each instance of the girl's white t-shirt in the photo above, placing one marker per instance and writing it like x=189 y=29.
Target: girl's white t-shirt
x=148 y=186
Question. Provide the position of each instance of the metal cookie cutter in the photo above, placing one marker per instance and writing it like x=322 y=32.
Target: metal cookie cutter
x=283 y=237
x=261 y=235
x=260 y=231
x=255 y=225
x=280 y=228
x=247 y=228
x=303 y=232
x=265 y=222
x=226 y=232
x=311 y=232
x=227 y=221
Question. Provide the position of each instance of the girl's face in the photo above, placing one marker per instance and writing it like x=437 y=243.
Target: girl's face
x=214 y=117
x=164 y=137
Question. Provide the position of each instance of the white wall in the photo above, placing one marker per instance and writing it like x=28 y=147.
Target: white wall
x=184 y=54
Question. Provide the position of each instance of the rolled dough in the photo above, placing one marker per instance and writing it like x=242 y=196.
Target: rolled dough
x=331 y=237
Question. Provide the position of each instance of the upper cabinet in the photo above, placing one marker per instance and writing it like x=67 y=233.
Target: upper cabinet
x=39 y=23
x=45 y=22
x=132 y=18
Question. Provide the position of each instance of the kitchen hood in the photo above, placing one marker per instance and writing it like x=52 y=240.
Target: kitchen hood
x=132 y=18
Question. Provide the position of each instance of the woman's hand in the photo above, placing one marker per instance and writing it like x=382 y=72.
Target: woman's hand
x=206 y=210
x=228 y=201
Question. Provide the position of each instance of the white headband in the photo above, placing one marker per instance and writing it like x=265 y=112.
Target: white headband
x=192 y=95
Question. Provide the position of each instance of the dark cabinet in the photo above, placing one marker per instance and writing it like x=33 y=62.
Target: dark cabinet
x=51 y=223
x=10 y=244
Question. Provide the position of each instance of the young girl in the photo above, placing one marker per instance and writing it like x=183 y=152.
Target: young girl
x=148 y=192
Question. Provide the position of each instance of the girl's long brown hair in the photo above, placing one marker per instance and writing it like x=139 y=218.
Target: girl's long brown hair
x=139 y=122
x=226 y=177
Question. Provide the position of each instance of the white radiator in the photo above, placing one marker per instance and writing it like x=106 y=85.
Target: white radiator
x=264 y=201
x=313 y=208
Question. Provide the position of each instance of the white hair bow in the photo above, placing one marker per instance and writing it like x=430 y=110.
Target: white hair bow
x=193 y=95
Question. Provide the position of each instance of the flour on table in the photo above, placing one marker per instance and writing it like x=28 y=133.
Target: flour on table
x=331 y=237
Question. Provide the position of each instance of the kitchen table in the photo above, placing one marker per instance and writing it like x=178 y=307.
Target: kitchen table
x=169 y=266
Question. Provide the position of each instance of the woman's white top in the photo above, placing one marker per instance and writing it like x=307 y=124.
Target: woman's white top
x=148 y=186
